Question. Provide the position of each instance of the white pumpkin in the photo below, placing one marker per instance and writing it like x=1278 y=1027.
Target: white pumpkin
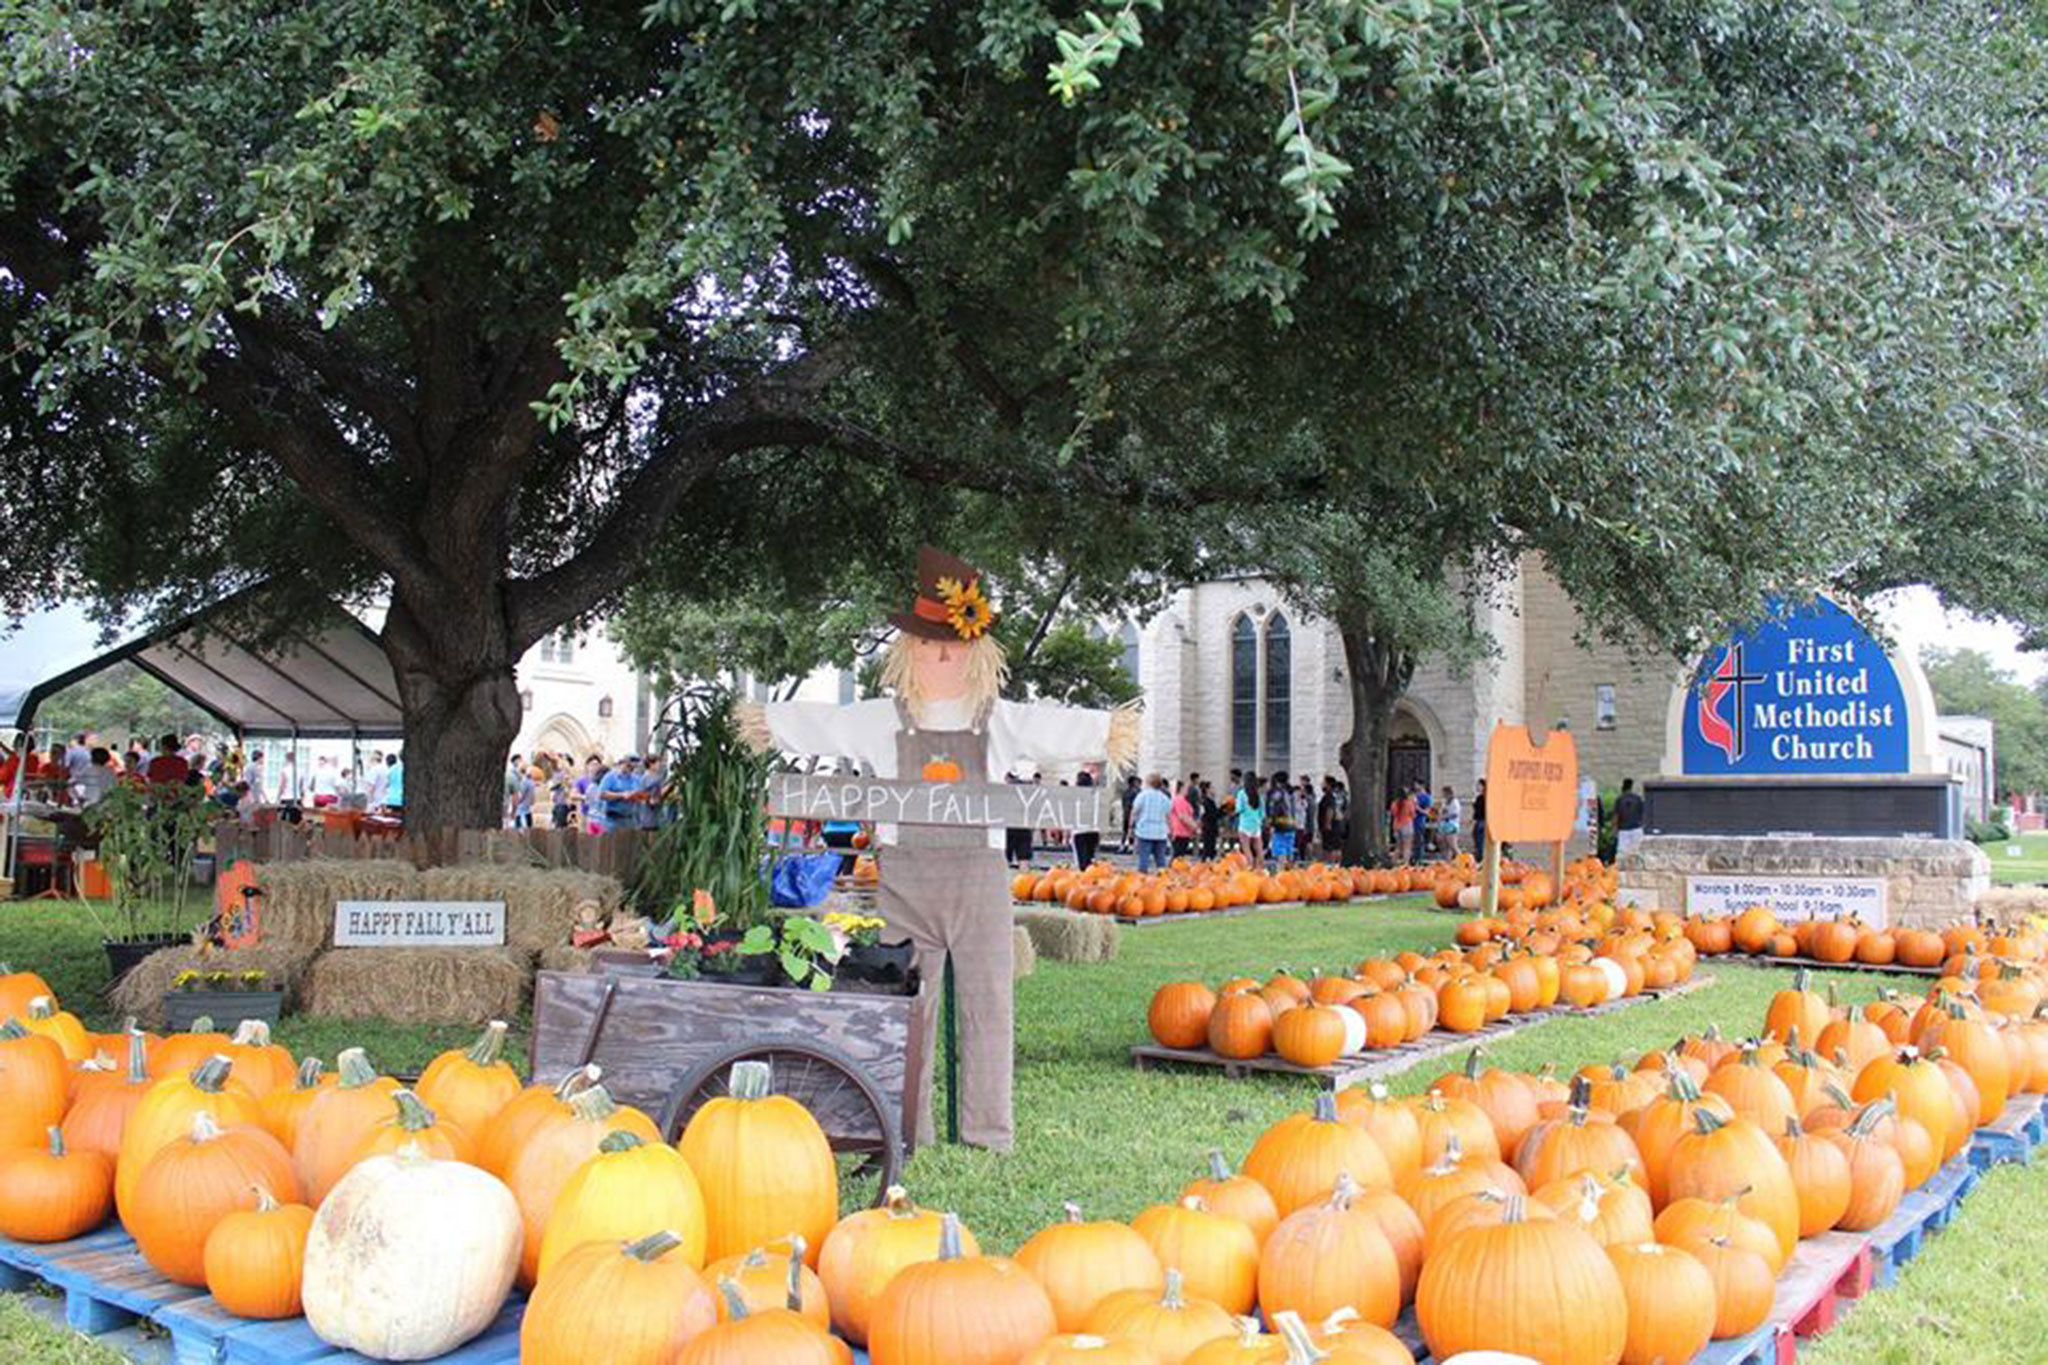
x=1471 y=897
x=1354 y=1030
x=1616 y=976
x=409 y=1257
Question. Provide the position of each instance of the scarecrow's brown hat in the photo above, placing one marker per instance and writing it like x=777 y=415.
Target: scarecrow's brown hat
x=950 y=602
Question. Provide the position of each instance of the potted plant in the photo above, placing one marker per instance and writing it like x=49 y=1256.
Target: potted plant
x=866 y=961
x=227 y=999
x=715 y=844
x=804 y=951
x=148 y=839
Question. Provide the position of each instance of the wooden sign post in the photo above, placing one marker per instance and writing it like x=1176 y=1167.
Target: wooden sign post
x=961 y=805
x=1532 y=790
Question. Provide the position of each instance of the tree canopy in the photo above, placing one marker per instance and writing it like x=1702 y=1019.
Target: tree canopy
x=484 y=311
x=1968 y=682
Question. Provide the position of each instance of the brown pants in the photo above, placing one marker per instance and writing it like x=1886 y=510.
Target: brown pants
x=957 y=901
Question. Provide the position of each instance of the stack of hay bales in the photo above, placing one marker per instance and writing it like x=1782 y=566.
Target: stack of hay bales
x=402 y=985
x=1069 y=936
x=297 y=911
x=2012 y=905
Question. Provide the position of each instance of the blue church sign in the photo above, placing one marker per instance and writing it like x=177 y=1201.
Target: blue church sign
x=1809 y=693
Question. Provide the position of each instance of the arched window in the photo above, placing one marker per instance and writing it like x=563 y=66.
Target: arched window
x=1279 y=742
x=1128 y=637
x=1244 y=693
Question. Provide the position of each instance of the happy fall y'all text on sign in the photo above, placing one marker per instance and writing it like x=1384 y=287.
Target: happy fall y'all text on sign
x=419 y=924
x=979 y=805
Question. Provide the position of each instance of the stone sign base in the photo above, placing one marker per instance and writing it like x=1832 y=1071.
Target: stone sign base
x=1926 y=882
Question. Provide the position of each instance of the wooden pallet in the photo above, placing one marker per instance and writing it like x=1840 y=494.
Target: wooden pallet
x=1823 y=1276
x=2012 y=1136
x=1347 y=1072
x=108 y=1291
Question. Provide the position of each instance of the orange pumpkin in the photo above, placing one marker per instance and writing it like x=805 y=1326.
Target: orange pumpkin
x=1300 y=1157
x=560 y=1145
x=1329 y=1256
x=1080 y=1263
x=52 y=1193
x=338 y=1121
x=1235 y=1196
x=253 y=1258
x=964 y=1310
x=193 y=1183
x=467 y=1087
x=165 y=1116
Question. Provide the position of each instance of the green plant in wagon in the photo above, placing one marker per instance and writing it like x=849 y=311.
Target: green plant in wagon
x=807 y=950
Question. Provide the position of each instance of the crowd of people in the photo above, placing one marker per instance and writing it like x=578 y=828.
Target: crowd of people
x=554 y=791
x=1270 y=819
x=80 y=773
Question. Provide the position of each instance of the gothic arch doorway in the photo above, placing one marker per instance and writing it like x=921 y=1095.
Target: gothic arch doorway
x=1409 y=752
x=565 y=735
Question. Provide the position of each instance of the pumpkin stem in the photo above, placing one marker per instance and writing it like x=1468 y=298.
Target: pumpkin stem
x=489 y=1043
x=1326 y=1107
x=1517 y=1209
x=310 y=1071
x=796 y=1273
x=1792 y=1128
x=56 y=1141
x=12 y=1030
x=751 y=1080
x=1173 y=1296
x=138 y=1057
x=251 y=1033
x=897 y=1201
x=1377 y=1092
x=1683 y=1087
x=735 y=1302
x=1344 y=1191
x=1219 y=1169
x=1707 y=1120
x=212 y=1074
x=1073 y=1211
x=653 y=1246
x=576 y=1080
x=413 y=1114
x=1582 y=1095
x=619 y=1140
x=42 y=1007
x=1874 y=1113
x=1802 y=980
x=205 y=1128
x=1453 y=1153
x=596 y=1104
x=1301 y=1347
x=1472 y=1064
x=266 y=1202
x=203 y=1024
x=1196 y=1203
x=949 y=1237
x=356 y=1071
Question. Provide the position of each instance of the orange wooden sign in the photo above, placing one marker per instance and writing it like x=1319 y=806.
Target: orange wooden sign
x=1532 y=789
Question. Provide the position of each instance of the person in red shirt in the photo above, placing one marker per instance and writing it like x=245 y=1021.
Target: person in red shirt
x=1403 y=811
x=168 y=768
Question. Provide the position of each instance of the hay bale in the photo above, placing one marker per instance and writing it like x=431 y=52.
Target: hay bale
x=141 y=991
x=1067 y=936
x=1024 y=957
x=419 y=985
x=540 y=903
x=2011 y=904
x=566 y=957
x=299 y=898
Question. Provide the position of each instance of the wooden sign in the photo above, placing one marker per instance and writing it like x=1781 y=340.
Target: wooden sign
x=1532 y=790
x=419 y=924
x=978 y=805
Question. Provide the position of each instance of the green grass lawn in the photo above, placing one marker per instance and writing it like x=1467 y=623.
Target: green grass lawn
x=2027 y=868
x=1094 y=1130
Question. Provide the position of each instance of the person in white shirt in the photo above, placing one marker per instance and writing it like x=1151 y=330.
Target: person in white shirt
x=374 y=779
x=946 y=887
x=257 y=775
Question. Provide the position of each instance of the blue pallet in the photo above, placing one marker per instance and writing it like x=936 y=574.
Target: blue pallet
x=1758 y=1348
x=2013 y=1137
x=108 y=1289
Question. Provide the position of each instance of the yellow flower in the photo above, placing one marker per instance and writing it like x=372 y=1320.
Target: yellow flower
x=966 y=608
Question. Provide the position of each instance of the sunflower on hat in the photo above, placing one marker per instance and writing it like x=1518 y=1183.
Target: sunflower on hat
x=967 y=609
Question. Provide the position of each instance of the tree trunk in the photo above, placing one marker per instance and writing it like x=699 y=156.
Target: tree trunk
x=462 y=711
x=1378 y=673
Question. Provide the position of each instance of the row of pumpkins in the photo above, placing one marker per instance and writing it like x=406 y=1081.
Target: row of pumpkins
x=1845 y=939
x=1459 y=884
x=1630 y=1215
x=1386 y=1002
x=1194 y=888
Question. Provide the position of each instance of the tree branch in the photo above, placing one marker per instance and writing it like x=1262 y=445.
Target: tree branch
x=958 y=327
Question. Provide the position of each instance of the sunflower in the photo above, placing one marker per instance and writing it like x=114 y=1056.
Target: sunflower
x=967 y=610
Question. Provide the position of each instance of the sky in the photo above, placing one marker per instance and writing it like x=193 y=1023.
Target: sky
x=1918 y=620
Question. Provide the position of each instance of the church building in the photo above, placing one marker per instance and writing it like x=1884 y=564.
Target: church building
x=1234 y=677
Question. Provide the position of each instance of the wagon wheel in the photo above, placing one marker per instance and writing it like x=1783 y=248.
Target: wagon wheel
x=866 y=1142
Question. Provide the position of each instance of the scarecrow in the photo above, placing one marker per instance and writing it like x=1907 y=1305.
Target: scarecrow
x=948 y=888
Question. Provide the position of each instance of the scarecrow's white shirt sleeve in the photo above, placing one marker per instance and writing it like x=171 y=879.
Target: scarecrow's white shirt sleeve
x=1046 y=734
x=864 y=731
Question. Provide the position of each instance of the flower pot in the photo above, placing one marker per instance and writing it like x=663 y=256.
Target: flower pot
x=878 y=964
x=227 y=1009
x=909 y=985
x=748 y=971
x=124 y=954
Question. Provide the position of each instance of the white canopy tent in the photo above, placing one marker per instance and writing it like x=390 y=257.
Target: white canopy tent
x=327 y=681
x=323 y=680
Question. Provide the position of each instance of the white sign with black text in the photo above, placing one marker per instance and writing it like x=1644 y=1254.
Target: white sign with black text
x=1790 y=898
x=419 y=924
